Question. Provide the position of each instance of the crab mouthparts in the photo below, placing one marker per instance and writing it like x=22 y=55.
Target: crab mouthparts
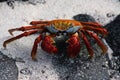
x=71 y=30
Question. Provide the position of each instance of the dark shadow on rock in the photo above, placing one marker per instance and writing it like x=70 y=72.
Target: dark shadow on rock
x=113 y=39
x=8 y=68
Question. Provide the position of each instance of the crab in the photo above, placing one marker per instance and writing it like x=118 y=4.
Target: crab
x=74 y=30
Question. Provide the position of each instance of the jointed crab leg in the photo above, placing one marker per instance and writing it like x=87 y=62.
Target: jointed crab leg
x=25 y=28
x=97 y=30
x=20 y=29
x=89 y=48
x=19 y=36
x=38 y=22
x=99 y=42
x=34 y=49
x=94 y=24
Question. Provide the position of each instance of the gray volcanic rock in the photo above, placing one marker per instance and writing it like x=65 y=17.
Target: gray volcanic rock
x=113 y=39
x=8 y=68
x=84 y=17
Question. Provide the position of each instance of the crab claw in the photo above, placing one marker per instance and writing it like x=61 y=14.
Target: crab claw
x=74 y=46
x=48 y=45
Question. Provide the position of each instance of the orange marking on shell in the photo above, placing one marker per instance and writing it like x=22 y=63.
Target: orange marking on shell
x=65 y=24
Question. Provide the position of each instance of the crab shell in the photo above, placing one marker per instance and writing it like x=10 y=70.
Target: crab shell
x=74 y=30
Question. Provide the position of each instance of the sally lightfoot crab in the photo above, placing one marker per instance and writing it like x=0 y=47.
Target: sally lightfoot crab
x=74 y=30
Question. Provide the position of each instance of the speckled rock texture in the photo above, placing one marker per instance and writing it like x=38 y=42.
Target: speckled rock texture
x=113 y=39
x=8 y=68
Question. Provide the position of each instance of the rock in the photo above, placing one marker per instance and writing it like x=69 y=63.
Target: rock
x=81 y=69
x=8 y=68
x=84 y=17
x=113 y=39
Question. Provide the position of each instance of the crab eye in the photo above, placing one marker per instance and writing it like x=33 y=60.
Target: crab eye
x=73 y=29
x=51 y=29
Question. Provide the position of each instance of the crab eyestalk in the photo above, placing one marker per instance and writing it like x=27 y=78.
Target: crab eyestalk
x=48 y=45
x=74 y=46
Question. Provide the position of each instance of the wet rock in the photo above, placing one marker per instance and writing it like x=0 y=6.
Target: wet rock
x=8 y=68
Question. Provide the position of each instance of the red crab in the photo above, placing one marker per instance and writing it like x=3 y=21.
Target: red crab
x=73 y=29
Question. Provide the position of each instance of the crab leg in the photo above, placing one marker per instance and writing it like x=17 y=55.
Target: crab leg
x=25 y=28
x=92 y=24
x=19 y=36
x=34 y=49
x=89 y=48
x=38 y=22
x=99 y=42
x=102 y=31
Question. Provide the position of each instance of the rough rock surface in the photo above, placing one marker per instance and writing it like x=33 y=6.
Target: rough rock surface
x=113 y=39
x=8 y=68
